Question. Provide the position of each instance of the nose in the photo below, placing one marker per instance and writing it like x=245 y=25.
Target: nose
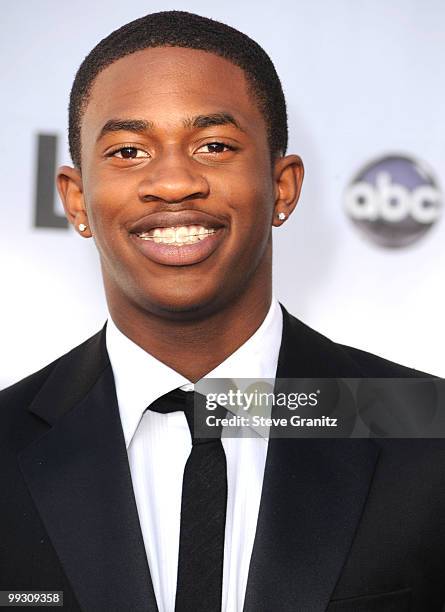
x=173 y=178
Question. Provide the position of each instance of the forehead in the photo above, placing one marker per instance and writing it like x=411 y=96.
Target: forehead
x=166 y=84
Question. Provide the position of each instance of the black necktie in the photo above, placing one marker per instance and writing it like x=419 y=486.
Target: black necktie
x=203 y=514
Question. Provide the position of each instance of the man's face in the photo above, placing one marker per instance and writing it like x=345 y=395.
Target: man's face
x=172 y=138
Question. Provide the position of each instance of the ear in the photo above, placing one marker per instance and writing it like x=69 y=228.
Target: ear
x=288 y=177
x=70 y=188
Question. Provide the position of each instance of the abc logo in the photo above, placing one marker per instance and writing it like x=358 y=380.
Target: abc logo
x=393 y=201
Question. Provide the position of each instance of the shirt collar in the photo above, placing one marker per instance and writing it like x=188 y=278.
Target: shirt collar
x=140 y=378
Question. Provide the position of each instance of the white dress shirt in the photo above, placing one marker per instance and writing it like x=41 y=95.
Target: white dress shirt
x=158 y=446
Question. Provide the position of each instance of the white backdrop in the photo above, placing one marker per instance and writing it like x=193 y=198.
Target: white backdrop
x=362 y=79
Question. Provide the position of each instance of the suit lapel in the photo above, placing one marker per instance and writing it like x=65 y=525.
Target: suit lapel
x=78 y=475
x=314 y=491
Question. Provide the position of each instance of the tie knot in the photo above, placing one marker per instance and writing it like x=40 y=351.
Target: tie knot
x=189 y=402
x=174 y=401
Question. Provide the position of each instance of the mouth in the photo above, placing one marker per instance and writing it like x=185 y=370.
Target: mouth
x=174 y=239
x=178 y=236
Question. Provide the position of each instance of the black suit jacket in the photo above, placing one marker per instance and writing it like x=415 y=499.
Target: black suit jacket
x=346 y=525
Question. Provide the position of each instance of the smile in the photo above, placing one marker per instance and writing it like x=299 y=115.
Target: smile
x=183 y=245
x=177 y=236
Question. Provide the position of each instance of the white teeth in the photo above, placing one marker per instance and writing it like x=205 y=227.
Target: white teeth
x=157 y=235
x=186 y=234
x=181 y=234
x=169 y=235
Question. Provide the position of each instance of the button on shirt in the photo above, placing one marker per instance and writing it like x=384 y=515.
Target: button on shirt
x=158 y=446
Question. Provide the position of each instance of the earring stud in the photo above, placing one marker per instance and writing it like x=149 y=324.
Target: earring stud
x=82 y=227
x=281 y=216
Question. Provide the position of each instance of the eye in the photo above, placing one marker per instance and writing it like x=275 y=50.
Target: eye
x=129 y=153
x=215 y=147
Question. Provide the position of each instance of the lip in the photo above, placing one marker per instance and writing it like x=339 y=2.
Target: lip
x=176 y=219
x=184 y=255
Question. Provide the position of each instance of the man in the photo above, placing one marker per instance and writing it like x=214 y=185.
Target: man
x=178 y=136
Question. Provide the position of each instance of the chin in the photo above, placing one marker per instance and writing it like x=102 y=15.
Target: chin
x=182 y=305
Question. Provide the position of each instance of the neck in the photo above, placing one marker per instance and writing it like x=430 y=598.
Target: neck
x=195 y=347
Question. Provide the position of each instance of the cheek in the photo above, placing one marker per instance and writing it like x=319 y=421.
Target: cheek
x=252 y=209
x=100 y=218
x=104 y=204
x=104 y=216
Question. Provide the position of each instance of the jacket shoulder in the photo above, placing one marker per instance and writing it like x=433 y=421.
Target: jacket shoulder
x=338 y=359
x=23 y=391
x=374 y=366
x=18 y=424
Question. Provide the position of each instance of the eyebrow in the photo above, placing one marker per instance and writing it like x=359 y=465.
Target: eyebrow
x=203 y=121
x=141 y=125
x=125 y=125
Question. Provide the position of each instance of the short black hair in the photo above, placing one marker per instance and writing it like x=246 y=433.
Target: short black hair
x=187 y=30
